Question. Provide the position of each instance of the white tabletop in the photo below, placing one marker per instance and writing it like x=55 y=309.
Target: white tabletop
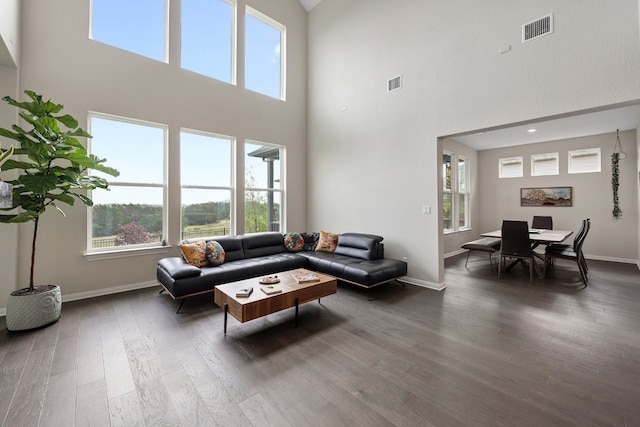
x=538 y=235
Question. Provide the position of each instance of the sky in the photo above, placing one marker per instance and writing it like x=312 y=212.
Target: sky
x=206 y=40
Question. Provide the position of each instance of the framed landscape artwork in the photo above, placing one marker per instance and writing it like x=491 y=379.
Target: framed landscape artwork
x=546 y=196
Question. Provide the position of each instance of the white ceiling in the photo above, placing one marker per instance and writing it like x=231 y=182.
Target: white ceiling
x=309 y=4
x=574 y=126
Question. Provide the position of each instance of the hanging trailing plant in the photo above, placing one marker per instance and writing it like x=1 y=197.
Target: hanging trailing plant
x=618 y=154
x=615 y=183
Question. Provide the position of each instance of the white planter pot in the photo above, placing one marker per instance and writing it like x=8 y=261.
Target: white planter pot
x=31 y=310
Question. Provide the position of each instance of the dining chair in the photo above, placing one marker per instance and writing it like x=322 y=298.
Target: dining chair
x=582 y=234
x=545 y=222
x=516 y=244
x=542 y=222
x=570 y=252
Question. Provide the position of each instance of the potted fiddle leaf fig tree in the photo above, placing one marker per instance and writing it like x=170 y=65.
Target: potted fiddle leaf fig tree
x=52 y=172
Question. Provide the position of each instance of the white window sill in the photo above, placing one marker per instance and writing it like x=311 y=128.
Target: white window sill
x=126 y=253
x=453 y=232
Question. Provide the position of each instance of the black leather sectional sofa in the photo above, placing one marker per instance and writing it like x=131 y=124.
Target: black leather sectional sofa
x=357 y=259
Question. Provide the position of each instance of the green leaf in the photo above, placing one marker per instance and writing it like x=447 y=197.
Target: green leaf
x=8 y=134
x=14 y=164
x=80 y=132
x=65 y=198
x=51 y=107
x=84 y=199
x=21 y=217
x=68 y=121
x=38 y=184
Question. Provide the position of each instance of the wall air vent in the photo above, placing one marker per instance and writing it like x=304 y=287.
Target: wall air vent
x=538 y=28
x=394 y=83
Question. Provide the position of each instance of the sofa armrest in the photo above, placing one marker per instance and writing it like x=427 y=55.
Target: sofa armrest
x=178 y=268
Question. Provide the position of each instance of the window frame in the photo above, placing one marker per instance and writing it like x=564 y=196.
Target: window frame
x=455 y=192
x=233 y=77
x=256 y=14
x=466 y=193
x=545 y=157
x=584 y=152
x=166 y=34
x=505 y=161
x=232 y=183
x=165 y=208
x=281 y=191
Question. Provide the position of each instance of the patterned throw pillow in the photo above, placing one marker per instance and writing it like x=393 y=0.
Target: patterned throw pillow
x=195 y=253
x=327 y=242
x=293 y=242
x=215 y=253
x=310 y=241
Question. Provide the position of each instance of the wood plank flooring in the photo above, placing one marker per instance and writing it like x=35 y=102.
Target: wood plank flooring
x=484 y=352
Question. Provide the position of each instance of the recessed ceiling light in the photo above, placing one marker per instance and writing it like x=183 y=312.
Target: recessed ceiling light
x=532 y=130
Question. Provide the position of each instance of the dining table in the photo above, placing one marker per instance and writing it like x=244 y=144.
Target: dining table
x=537 y=236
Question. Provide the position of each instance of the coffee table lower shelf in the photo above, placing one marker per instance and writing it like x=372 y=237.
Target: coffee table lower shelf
x=259 y=304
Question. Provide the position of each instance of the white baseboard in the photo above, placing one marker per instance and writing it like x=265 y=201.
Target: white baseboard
x=587 y=256
x=610 y=259
x=99 y=292
x=422 y=283
x=454 y=253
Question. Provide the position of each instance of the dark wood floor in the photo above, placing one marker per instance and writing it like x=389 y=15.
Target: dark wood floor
x=481 y=353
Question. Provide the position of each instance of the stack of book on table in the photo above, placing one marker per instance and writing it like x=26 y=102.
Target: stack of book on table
x=244 y=293
x=272 y=289
x=305 y=277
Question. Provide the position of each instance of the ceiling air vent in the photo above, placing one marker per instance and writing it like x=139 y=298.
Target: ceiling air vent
x=394 y=83
x=538 y=28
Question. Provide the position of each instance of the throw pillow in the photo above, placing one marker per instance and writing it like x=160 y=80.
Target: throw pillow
x=310 y=241
x=293 y=242
x=215 y=253
x=195 y=253
x=327 y=242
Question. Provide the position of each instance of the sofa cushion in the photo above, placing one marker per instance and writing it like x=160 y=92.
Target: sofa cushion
x=327 y=242
x=232 y=245
x=215 y=253
x=263 y=244
x=195 y=253
x=362 y=246
x=293 y=242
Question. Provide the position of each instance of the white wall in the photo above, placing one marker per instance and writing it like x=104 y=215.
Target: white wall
x=8 y=233
x=592 y=194
x=373 y=156
x=59 y=61
x=10 y=33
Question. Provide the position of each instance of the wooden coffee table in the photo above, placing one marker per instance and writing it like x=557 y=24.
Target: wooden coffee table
x=259 y=304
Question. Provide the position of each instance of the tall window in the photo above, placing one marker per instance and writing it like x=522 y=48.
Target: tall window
x=138 y=26
x=207 y=44
x=206 y=175
x=265 y=43
x=455 y=192
x=132 y=213
x=263 y=187
x=463 y=193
